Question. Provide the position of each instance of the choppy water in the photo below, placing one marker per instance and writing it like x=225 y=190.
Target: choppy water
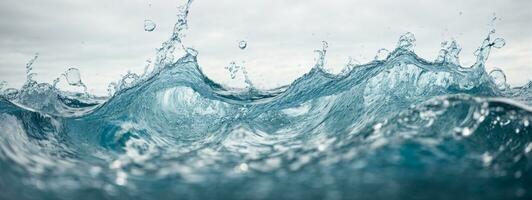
x=399 y=127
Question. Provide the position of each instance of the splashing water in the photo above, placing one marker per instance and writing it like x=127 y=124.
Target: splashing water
x=499 y=78
x=382 y=54
x=399 y=127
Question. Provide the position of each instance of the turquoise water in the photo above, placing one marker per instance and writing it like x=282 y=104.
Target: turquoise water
x=399 y=127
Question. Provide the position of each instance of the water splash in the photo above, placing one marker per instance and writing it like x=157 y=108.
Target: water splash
x=449 y=53
x=407 y=42
x=382 y=54
x=169 y=132
x=233 y=69
x=29 y=71
x=165 y=54
x=499 y=78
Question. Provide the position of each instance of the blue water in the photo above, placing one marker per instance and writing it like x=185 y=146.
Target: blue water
x=399 y=127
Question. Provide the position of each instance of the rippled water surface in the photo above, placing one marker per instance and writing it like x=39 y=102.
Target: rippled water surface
x=400 y=127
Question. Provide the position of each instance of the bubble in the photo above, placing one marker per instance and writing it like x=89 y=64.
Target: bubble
x=149 y=25
x=242 y=44
x=382 y=54
x=499 y=78
x=498 y=43
x=73 y=76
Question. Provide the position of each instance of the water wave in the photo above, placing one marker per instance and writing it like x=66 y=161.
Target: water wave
x=399 y=127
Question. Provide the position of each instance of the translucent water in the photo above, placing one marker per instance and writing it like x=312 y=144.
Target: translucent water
x=399 y=127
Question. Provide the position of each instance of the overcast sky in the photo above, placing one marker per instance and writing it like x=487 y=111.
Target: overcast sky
x=105 y=38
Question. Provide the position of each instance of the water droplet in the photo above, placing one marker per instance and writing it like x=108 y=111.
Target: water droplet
x=499 y=78
x=149 y=25
x=242 y=44
x=382 y=54
x=73 y=76
x=498 y=43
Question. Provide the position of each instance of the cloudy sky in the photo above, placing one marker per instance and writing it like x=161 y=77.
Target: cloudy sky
x=105 y=38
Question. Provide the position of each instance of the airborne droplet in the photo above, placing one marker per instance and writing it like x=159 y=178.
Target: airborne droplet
x=499 y=43
x=149 y=25
x=73 y=76
x=242 y=44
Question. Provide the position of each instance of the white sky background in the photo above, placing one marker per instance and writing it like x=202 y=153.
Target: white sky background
x=105 y=38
